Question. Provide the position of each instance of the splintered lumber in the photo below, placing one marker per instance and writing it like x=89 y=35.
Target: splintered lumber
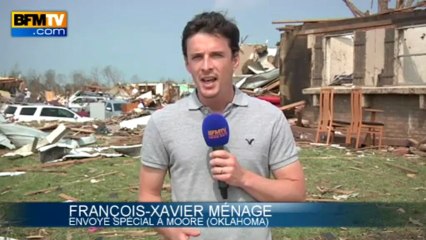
x=49 y=127
x=47 y=190
x=42 y=167
x=138 y=233
x=34 y=237
x=306 y=21
x=321 y=200
x=292 y=105
x=83 y=130
x=402 y=168
x=347 y=27
x=67 y=197
x=71 y=162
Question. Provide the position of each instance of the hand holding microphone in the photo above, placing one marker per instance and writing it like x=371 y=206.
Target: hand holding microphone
x=216 y=135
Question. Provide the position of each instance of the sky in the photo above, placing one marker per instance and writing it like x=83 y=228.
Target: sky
x=142 y=38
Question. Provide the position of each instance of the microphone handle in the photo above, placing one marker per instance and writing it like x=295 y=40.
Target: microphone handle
x=223 y=186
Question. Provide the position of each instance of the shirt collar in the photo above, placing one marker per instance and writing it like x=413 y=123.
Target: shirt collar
x=240 y=99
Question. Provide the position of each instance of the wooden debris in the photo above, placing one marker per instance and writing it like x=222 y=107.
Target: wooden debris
x=417 y=152
x=293 y=105
x=321 y=200
x=415 y=222
x=405 y=169
x=67 y=197
x=48 y=127
x=411 y=175
x=54 y=164
x=141 y=233
x=71 y=162
x=83 y=130
x=413 y=142
x=359 y=169
x=46 y=170
x=5 y=190
x=167 y=187
x=35 y=237
x=324 y=190
x=47 y=190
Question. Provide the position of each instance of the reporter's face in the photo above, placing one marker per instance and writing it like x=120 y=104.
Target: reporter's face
x=211 y=64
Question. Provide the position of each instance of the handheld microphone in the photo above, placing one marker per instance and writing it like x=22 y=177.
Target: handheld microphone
x=216 y=135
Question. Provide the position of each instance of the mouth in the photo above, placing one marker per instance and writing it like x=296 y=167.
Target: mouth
x=208 y=79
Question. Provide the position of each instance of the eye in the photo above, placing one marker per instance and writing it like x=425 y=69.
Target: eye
x=217 y=55
x=196 y=57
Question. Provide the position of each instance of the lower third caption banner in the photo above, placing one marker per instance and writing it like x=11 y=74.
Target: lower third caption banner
x=203 y=214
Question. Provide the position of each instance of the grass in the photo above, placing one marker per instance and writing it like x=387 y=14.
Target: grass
x=329 y=172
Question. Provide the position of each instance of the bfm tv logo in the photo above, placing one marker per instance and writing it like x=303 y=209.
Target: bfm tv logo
x=39 y=24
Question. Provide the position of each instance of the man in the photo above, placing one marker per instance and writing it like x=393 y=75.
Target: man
x=260 y=142
x=27 y=95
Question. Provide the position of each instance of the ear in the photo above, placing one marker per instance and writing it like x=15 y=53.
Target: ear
x=236 y=60
x=185 y=59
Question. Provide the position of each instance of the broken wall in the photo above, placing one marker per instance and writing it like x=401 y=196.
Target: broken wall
x=411 y=58
x=339 y=55
x=296 y=75
x=374 y=56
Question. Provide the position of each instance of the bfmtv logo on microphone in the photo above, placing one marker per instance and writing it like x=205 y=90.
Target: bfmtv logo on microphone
x=217 y=133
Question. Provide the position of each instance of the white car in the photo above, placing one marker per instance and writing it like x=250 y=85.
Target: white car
x=82 y=102
x=43 y=113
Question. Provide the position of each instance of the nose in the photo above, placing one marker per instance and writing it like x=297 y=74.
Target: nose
x=207 y=64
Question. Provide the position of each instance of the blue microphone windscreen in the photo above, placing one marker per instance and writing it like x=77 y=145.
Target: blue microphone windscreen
x=215 y=130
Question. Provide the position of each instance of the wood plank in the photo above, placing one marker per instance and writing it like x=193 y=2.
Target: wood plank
x=405 y=169
x=355 y=26
x=68 y=197
x=83 y=130
x=292 y=105
x=307 y=20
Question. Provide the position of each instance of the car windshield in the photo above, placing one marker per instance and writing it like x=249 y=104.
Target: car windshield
x=10 y=110
x=56 y=112
x=118 y=106
x=28 y=111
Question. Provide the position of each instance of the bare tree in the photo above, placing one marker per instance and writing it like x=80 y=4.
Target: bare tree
x=34 y=83
x=355 y=11
x=96 y=75
x=408 y=3
x=79 y=80
x=61 y=79
x=383 y=6
x=15 y=72
x=135 y=79
x=50 y=81
x=111 y=75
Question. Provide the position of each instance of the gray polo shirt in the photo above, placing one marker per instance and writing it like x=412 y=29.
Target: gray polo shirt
x=260 y=138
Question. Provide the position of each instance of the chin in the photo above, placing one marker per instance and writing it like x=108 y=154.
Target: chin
x=208 y=94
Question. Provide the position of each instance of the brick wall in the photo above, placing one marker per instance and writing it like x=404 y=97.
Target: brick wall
x=402 y=116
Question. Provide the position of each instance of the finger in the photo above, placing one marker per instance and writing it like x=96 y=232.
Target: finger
x=218 y=162
x=219 y=154
x=192 y=232
x=217 y=170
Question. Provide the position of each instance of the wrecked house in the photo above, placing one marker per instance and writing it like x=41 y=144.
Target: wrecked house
x=255 y=58
x=9 y=86
x=384 y=54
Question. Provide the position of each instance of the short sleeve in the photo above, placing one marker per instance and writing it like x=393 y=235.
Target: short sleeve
x=283 y=149
x=154 y=153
